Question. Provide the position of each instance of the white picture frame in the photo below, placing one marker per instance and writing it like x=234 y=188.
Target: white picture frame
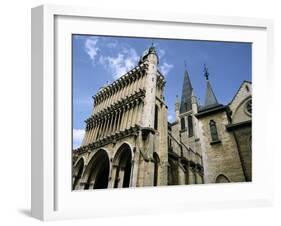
x=52 y=197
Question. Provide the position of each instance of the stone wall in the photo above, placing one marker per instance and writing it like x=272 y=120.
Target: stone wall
x=221 y=157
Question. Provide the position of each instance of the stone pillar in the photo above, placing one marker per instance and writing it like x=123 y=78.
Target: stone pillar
x=121 y=177
x=106 y=133
x=113 y=177
x=129 y=122
x=139 y=113
x=135 y=113
x=191 y=177
x=150 y=86
x=98 y=129
x=117 y=115
x=125 y=118
x=104 y=126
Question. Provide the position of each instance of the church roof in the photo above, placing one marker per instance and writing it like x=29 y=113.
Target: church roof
x=210 y=97
x=185 y=104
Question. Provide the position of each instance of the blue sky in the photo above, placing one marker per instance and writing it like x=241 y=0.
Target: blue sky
x=98 y=60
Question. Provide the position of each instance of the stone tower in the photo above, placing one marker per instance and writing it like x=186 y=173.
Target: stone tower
x=125 y=143
x=185 y=159
x=220 y=150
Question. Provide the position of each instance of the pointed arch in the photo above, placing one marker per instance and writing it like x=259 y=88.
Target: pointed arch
x=77 y=172
x=97 y=172
x=123 y=163
x=213 y=130
x=221 y=178
x=182 y=123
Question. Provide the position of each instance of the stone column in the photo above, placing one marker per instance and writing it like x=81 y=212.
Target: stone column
x=119 y=123
x=125 y=117
x=129 y=121
x=135 y=113
x=94 y=131
x=98 y=128
x=121 y=177
x=139 y=116
x=150 y=86
x=105 y=126
x=113 y=177
x=113 y=118
x=191 y=177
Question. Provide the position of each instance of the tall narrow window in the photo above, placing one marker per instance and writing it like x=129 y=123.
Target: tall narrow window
x=156 y=118
x=156 y=165
x=190 y=126
x=182 y=123
x=213 y=130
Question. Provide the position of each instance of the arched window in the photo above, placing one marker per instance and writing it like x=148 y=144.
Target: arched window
x=213 y=130
x=222 y=179
x=190 y=126
x=182 y=123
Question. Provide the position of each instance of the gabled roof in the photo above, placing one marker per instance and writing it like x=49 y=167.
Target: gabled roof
x=245 y=81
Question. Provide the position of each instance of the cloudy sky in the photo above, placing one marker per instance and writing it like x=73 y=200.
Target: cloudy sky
x=98 y=60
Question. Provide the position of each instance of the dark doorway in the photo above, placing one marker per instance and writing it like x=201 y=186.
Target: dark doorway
x=123 y=162
x=98 y=171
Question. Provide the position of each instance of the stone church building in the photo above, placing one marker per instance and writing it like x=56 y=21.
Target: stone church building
x=130 y=143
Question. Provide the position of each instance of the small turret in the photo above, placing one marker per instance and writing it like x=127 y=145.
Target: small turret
x=150 y=55
x=210 y=98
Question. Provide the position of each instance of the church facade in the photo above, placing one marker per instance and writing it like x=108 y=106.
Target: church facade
x=128 y=141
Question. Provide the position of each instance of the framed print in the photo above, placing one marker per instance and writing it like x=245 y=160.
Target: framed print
x=137 y=112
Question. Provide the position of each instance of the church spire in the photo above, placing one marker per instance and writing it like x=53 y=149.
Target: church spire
x=210 y=98
x=186 y=104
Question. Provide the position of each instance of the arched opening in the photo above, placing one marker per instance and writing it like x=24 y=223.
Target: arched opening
x=156 y=167
x=182 y=123
x=123 y=165
x=190 y=126
x=213 y=130
x=222 y=179
x=172 y=172
x=98 y=171
x=77 y=173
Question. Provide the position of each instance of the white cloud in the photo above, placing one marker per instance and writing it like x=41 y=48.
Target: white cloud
x=170 y=118
x=91 y=48
x=161 y=53
x=165 y=68
x=78 y=135
x=121 y=63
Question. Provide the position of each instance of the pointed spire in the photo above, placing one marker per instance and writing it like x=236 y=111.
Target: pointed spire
x=210 y=98
x=186 y=104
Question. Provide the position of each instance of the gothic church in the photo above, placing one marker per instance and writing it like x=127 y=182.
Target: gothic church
x=129 y=142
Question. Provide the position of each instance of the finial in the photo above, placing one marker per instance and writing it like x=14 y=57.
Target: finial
x=206 y=73
x=185 y=65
